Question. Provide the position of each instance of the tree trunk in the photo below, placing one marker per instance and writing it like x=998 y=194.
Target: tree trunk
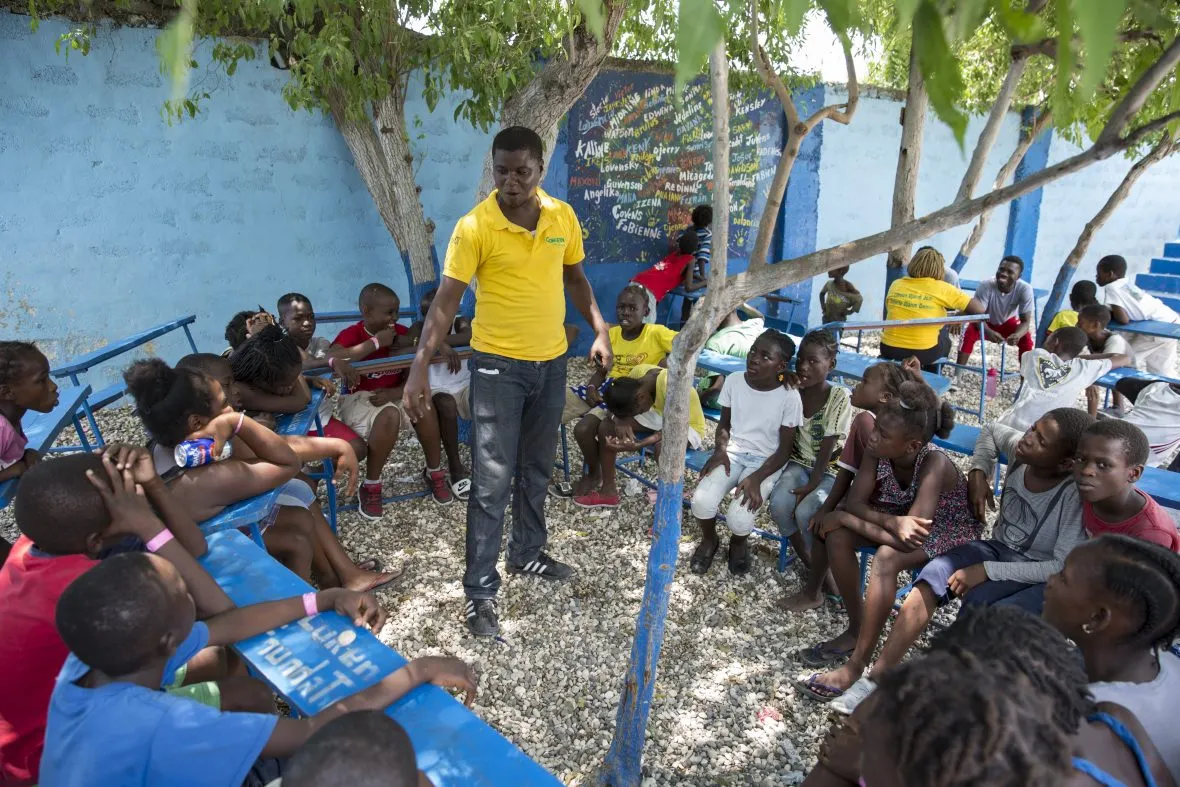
x=545 y=100
x=622 y=767
x=909 y=157
x=1028 y=137
x=381 y=152
x=1068 y=268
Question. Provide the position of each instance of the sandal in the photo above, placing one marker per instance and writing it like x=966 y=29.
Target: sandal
x=817 y=690
x=824 y=655
x=386 y=578
x=562 y=489
x=461 y=489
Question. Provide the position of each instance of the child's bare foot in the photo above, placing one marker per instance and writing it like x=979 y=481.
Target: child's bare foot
x=587 y=484
x=801 y=601
x=364 y=581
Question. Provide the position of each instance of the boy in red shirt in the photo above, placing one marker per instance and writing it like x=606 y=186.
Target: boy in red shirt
x=65 y=526
x=1110 y=459
x=674 y=270
x=373 y=408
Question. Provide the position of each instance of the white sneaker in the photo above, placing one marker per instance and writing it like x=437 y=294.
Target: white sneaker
x=857 y=693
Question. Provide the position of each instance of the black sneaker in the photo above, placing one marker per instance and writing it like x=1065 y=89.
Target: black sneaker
x=544 y=567
x=481 y=617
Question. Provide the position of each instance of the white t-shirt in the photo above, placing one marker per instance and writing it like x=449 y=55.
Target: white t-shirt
x=1003 y=306
x=1138 y=304
x=755 y=416
x=1049 y=383
x=1117 y=344
x=1157 y=413
x=1154 y=704
x=443 y=380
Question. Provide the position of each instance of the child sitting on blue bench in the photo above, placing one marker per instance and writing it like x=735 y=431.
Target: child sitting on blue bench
x=25 y=385
x=297 y=318
x=373 y=407
x=363 y=748
x=128 y=623
x=66 y=525
x=243 y=325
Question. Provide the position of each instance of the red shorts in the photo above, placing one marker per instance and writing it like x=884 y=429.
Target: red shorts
x=337 y=428
x=971 y=335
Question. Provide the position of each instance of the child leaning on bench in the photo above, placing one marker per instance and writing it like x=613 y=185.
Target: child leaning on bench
x=128 y=622
x=25 y=385
x=66 y=527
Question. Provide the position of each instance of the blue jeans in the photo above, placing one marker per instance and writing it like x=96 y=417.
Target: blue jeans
x=515 y=414
x=791 y=514
x=938 y=572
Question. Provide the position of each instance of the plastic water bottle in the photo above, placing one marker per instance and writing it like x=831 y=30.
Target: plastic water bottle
x=993 y=381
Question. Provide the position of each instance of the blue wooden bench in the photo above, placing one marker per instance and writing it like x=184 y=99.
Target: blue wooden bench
x=355 y=316
x=42 y=429
x=312 y=666
x=114 y=392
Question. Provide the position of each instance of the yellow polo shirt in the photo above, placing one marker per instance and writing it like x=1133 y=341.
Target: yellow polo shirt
x=916 y=299
x=696 y=416
x=517 y=274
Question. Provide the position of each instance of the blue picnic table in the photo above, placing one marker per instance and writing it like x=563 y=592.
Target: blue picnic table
x=112 y=393
x=313 y=664
x=848 y=364
x=42 y=429
x=1165 y=330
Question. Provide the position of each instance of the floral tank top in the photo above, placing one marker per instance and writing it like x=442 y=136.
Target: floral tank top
x=954 y=524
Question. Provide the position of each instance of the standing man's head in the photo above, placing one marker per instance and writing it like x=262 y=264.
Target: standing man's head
x=1008 y=273
x=702 y=216
x=1112 y=267
x=518 y=162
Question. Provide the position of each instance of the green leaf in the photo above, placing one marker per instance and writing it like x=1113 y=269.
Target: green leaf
x=967 y=17
x=699 y=29
x=793 y=12
x=595 y=16
x=175 y=48
x=1066 y=58
x=1098 y=21
x=1148 y=13
x=843 y=15
x=905 y=10
x=940 y=69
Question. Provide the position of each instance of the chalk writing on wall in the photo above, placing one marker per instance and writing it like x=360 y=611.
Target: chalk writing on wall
x=639 y=163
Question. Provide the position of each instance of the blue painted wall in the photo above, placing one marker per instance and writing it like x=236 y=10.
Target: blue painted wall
x=1024 y=214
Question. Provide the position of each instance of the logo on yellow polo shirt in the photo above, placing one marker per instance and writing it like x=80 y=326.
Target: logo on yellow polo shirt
x=555 y=241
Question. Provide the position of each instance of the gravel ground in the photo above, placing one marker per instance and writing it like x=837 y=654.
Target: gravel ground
x=726 y=710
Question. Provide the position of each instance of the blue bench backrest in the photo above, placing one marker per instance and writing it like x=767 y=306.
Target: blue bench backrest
x=92 y=359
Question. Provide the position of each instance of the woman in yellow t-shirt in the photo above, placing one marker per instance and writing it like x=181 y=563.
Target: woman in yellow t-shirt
x=923 y=294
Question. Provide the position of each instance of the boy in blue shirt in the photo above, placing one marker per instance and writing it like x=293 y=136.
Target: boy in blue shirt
x=129 y=622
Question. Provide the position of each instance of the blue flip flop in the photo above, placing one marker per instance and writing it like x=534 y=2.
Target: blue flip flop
x=817 y=690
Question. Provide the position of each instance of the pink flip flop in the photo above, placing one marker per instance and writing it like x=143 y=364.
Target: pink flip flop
x=597 y=500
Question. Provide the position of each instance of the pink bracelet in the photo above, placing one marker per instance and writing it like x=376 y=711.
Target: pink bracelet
x=376 y=344
x=159 y=540
x=238 y=428
x=332 y=363
x=310 y=607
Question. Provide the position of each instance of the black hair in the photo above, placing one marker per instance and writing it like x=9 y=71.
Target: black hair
x=114 y=616
x=638 y=290
x=57 y=507
x=1023 y=642
x=15 y=358
x=894 y=374
x=1148 y=576
x=1072 y=423
x=688 y=242
x=1084 y=293
x=1096 y=312
x=1114 y=264
x=1071 y=340
x=702 y=216
x=823 y=339
x=266 y=359
x=235 y=329
x=516 y=138
x=620 y=397
x=920 y=411
x=207 y=364
x=289 y=299
x=359 y=749
x=784 y=343
x=950 y=721
x=374 y=290
x=1012 y=258
x=1135 y=445
x=166 y=397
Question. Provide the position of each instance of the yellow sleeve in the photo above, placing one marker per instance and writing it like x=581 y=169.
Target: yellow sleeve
x=574 y=251
x=664 y=337
x=953 y=297
x=696 y=416
x=1064 y=319
x=463 y=251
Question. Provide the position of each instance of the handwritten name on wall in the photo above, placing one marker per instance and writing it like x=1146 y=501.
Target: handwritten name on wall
x=639 y=163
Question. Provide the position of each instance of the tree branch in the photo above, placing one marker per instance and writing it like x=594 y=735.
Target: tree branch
x=1048 y=46
x=841 y=113
x=766 y=71
x=1137 y=96
x=991 y=129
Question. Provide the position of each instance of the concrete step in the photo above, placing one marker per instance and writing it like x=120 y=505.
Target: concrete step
x=1159 y=283
x=1165 y=265
x=1172 y=249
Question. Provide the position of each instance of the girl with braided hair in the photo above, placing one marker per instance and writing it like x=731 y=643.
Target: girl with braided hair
x=909 y=500
x=25 y=385
x=1118 y=598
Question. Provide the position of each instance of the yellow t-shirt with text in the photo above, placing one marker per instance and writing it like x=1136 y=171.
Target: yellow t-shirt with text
x=1067 y=318
x=696 y=416
x=517 y=277
x=916 y=299
x=652 y=346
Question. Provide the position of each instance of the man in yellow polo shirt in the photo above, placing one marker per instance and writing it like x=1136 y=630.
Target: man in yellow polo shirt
x=521 y=251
